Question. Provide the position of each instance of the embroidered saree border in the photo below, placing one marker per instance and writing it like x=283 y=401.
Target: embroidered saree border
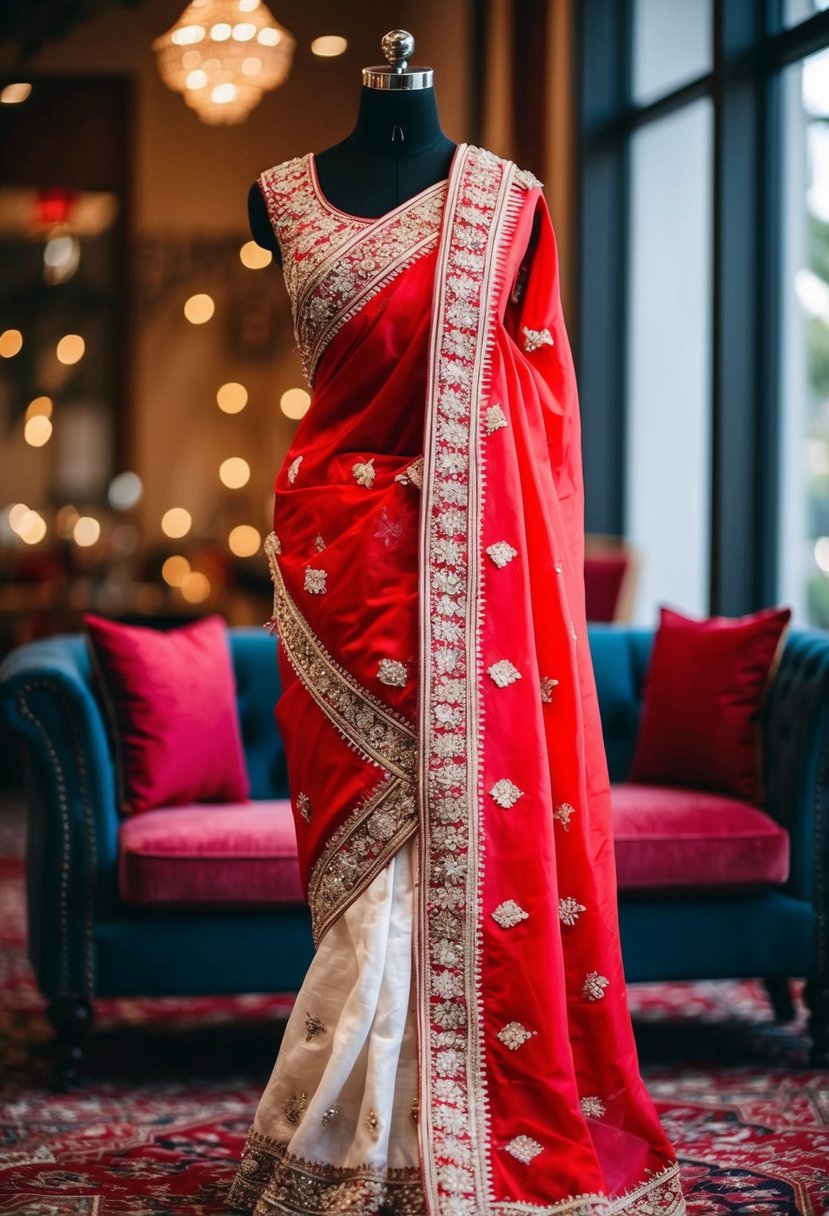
x=365 y=724
x=270 y=1179
x=359 y=849
x=482 y=208
x=453 y=1102
x=383 y=820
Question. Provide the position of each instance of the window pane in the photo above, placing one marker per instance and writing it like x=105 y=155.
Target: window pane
x=669 y=361
x=671 y=45
x=795 y=11
x=804 y=390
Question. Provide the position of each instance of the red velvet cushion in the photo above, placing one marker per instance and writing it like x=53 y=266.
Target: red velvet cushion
x=703 y=693
x=170 y=702
x=678 y=838
x=210 y=855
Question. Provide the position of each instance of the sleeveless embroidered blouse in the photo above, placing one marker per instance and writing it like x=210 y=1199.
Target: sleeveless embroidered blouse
x=334 y=262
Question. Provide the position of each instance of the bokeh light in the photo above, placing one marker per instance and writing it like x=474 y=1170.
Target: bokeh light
x=37 y=431
x=234 y=472
x=199 y=308
x=176 y=522
x=294 y=402
x=70 y=348
x=244 y=540
x=232 y=397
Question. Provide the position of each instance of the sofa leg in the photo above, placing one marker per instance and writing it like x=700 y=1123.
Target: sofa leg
x=71 y=1019
x=780 y=995
x=816 y=996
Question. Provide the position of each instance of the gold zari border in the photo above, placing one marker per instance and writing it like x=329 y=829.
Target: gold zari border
x=270 y=1181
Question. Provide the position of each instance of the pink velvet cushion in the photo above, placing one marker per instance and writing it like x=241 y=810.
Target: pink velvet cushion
x=667 y=837
x=227 y=854
x=170 y=703
x=704 y=689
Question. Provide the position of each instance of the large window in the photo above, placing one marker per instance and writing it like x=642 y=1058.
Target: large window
x=804 y=382
x=702 y=331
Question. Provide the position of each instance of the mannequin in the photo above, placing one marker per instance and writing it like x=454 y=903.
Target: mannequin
x=396 y=149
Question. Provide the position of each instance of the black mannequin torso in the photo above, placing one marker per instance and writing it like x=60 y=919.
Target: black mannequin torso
x=374 y=169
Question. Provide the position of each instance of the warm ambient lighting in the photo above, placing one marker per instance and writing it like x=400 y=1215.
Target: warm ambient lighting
x=294 y=402
x=244 y=540
x=224 y=66
x=199 y=308
x=71 y=348
x=31 y=528
x=13 y=94
x=254 y=256
x=17 y=513
x=37 y=431
x=176 y=522
x=175 y=570
x=11 y=343
x=86 y=531
x=195 y=587
x=39 y=406
x=328 y=45
x=234 y=472
x=232 y=397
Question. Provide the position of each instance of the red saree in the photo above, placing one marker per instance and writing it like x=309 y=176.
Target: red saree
x=427 y=558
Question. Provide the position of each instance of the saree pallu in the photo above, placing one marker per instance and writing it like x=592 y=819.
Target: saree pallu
x=440 y=716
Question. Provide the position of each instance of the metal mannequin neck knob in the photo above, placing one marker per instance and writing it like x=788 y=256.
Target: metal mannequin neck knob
x=398 y=46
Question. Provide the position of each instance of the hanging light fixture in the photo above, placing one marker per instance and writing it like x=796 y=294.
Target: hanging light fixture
x=223 y=55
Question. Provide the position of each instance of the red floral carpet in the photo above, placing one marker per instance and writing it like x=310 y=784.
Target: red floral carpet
x=173 y=1084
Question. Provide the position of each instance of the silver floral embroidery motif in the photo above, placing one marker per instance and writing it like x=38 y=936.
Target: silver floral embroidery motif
x=363 y=471
x=313 y=1027
x=524 y=1149
x=293 y=469
x=503 y=673
x=536 y=338
x=509 y=913
x=501 y=553
x=594 y=986
x=315 y=581
x=319 y=543
x=592 y=1107
x=372 y=1121
x=569 y=909
x=328 y=1115
x=562 y=813
x=505 y=792
x=303 y=805
x=514 y=1035
x=495 y=419
x=412 y=473
x=547 y=686
x=391 y=671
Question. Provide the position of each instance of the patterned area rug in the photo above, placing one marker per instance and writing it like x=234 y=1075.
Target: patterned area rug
x=172 y=1086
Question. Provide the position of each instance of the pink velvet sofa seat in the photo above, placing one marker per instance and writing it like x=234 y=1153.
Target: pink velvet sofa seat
x=242 y=854
x=669 y=838
x=234 y=854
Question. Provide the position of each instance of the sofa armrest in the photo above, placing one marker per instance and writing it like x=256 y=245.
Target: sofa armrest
x=72 y=821
x=795 y=724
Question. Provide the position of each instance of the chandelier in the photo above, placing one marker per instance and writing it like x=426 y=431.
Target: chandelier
x=223 y=55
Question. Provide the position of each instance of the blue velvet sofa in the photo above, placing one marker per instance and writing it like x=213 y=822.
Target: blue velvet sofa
x=87 y=941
